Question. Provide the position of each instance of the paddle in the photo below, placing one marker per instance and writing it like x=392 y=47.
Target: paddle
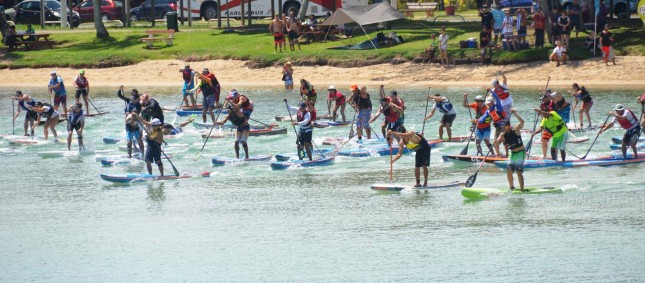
x=199 y=154
x=424 y=121
x=90 y=101
x=301 y=148
x=573 y=112
x=318 y=149
x=351 y=131
x=174 y=169
x=597 y=135
x=266 y=125
x=13 y=121
x=329 y=108
x=472 y=131
x=391 y=164
x=528 y=147
x=471 y=180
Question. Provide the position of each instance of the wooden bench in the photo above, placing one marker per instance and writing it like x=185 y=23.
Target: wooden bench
x=151 y=37
x=428 y=7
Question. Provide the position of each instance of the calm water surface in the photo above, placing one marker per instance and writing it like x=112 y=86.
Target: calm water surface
x=61 y=222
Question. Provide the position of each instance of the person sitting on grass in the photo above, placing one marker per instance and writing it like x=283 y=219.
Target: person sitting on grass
x=429 y=53
x=559 y=54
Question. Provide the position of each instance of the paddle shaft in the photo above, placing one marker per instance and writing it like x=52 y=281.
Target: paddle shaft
x=528 y=150
x=268 y=126
x=90 y=101
x=13 y=121
x=174 y=169
x=573 y=112
x=472 y=131
x=471 y=180
x=597 y=135
x=209 y=134
x=424 y=116
x=300 y=146
x=391 y=164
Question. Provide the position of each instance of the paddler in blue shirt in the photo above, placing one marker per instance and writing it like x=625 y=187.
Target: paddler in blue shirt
x=449 y=114
x=237 y=118
x=495 y=113
x=512 y=138
x=24 y=102
x=75 y=122
x=416 y=142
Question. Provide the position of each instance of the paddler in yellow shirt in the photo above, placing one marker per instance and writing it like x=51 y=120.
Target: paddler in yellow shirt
x=154 y=139
x=553 y=127
x=416 y=142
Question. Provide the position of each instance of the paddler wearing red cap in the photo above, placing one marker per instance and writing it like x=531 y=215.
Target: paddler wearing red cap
x=628 y=120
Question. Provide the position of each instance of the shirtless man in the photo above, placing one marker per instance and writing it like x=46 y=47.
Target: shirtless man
x=276 y=26
x=293 y=26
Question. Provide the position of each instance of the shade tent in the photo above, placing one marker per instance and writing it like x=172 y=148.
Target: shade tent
x=365 y=15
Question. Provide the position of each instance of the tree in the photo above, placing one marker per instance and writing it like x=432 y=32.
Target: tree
x=101 y=31
x=303 y=10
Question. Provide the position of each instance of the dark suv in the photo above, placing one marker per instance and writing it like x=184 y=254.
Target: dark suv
x=144 y=11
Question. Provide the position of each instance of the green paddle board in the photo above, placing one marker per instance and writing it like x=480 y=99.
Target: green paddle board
x=482 y=193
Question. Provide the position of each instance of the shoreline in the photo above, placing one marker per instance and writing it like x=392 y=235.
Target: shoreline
x=235 y=73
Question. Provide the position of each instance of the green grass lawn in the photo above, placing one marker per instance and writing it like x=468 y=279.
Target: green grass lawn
x=80 y=48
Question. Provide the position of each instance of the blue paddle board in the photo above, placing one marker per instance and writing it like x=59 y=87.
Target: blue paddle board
x=219 y=161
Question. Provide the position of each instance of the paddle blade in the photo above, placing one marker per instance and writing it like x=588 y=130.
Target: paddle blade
x=199 y=154
x=351 y=132
x=464 y=151
x=175 y=171
x=471 y=180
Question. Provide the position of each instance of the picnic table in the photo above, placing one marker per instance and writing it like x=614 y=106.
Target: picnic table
x=34 y=40
x=427 y=7
x=152 y=38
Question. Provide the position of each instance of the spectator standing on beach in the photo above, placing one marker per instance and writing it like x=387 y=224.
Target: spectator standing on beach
x=522 y=19
x=539 y=21
x=574 y=14
x=443 y=46
x=555 y=29
x=606 y=39
x=498 y=20
x=564 y=22
x=275 y=27
x=287 y=75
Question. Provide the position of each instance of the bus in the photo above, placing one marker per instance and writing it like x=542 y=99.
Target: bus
x=208 y=9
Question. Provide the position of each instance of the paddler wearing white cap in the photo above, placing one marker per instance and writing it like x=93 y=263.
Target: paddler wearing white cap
x=154 y=139
x=626 y=118
x=339 y=100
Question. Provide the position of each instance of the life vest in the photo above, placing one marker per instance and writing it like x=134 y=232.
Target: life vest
x=584 y=96
x=74 y=117
x=390 y=115
x=55 y=81
x=501 y=92
x=21 y=103
x=49 y=112
x=423 y=144
x=546 y=106
x=513 y=140
x=301 y=117
x=248 y=104
x=497 y=116
x=187 y=74
x=81 y=82
x=207 y=89
x=444 y=107
x=236 y=120
x=630 y=122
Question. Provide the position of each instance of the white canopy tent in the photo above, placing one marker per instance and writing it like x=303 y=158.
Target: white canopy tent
x=365 y=15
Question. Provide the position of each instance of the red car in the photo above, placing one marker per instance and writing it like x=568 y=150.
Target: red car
x=110 y=10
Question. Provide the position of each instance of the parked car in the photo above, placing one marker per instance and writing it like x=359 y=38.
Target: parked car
x=516 y=4
x=622 y=8
x=110 y=10
x=144 y=11
x=28 y=12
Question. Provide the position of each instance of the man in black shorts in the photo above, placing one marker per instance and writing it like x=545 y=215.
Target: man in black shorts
x=449 y=114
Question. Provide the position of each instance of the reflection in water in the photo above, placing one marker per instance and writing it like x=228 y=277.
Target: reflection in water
x=156 y=195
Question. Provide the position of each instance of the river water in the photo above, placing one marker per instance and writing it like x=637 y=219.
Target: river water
x=61 y=222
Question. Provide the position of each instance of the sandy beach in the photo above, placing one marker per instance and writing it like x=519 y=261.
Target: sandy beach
x=629 y=73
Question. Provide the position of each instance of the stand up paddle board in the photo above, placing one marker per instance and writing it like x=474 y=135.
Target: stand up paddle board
x=96 y=114
x=281 y=165
x=111 y=140
x=483 y=193
x=619 y=140
x=619 y=146
x=294 y=155
x=219 y=161
x=398 y=188
x=132 y=178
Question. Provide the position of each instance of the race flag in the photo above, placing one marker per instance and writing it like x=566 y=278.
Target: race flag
x=597 y=4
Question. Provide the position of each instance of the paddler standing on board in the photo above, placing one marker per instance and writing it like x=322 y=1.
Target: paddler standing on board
x=154 y=140
x=628 y=120
x=210 y=89
x=449 y=114
x=304 y=122
x=237 y=118
x=496 y=114
x=242 y=102
x=24 y=102
x=416 y=142
x=132 y=131
x=75 y=122
x=339 y=103
x=150 y=108
x=552 y=127
x=47 y=111
x=482 y=130
x=392 y=113
x=501 y=91
x=188 y=75
x=512 y=139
